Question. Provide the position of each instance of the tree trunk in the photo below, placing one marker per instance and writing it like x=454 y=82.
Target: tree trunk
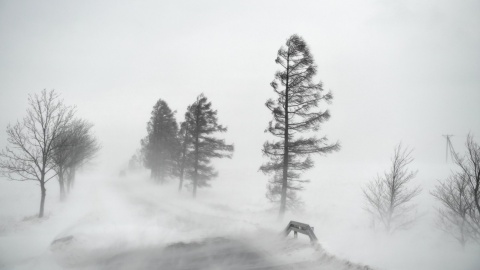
x=463 y=239
x=389 y=223
x=180 y=184
x=61 y=182
x=69 y=181
x=62 y=190
x=42 y=200
x=182 y=168
x=73 y=171
x=476 y=195
x=195 y=175
x=283 y=198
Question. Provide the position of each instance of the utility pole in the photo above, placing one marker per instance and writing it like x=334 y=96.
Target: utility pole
x=448 y=146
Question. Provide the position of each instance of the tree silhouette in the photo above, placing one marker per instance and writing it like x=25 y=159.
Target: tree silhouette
x=295 y=111
x=33 y=141
x=389 y=197
x=160 y=146
x=459 y=196
x=75 y=146
x=201 y=123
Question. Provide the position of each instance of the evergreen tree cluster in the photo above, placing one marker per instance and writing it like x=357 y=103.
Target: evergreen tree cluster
x=184 y=150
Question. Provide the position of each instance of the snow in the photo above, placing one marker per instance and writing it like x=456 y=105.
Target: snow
x=109 y=222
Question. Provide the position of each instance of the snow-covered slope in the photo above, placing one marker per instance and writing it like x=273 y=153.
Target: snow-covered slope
x=131 y=223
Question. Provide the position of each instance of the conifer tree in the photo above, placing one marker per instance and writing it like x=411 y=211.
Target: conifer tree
x=160 y=145
x=201 y=123
x=295 y=111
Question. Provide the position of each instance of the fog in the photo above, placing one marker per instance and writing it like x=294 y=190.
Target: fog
x=405 y=71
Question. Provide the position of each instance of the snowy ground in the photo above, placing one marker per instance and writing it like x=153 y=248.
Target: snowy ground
x=130 y=223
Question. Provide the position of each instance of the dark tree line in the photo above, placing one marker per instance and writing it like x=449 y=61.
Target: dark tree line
x=185 y=152
x=48 y=142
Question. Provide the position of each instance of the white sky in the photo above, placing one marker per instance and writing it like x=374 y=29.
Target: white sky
x=399 y=70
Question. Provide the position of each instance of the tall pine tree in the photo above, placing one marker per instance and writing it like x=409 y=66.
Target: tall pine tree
x=201 y=123
x=160 y=146
x=295 y=111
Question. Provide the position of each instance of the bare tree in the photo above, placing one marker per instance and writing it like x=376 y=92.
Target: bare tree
x=61 y=157
x=389 y=196
x=74 y=147
x=470 y=166
x=84 y=149
x=29 y=156
x=460 y=196
x=457 y=202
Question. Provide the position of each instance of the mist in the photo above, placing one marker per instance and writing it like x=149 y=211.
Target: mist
x=402 y=72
